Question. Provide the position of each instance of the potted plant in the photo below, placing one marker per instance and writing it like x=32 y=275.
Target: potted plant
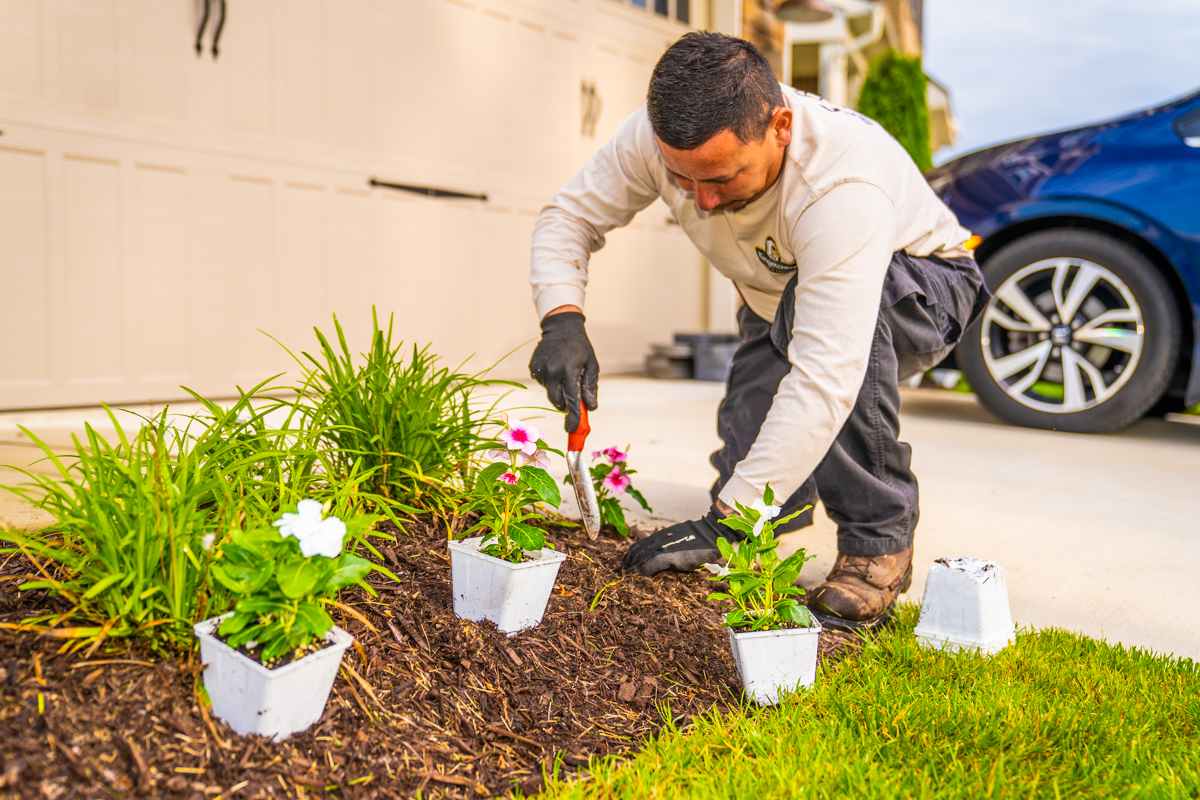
x=506 y=573
x=611 y=479
x=773 y=637
x=269 y=664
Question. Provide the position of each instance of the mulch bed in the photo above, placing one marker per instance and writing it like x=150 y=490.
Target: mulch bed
x=424 y=701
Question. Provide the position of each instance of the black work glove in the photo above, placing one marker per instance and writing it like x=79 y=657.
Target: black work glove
x=565 y=363
x=681 y=548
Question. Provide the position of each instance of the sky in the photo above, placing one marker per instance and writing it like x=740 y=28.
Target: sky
x=1019 y=67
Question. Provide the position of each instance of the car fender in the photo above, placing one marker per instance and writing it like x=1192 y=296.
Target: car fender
x=1089 y=208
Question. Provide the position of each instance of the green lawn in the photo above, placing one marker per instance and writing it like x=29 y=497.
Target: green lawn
x=1054 y=715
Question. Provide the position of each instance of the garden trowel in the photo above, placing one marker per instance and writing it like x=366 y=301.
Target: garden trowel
x=581 y=477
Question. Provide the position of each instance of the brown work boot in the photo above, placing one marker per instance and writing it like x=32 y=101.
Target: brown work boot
x=860 y=591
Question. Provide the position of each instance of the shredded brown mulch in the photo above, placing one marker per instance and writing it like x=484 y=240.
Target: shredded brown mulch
x=424 y=701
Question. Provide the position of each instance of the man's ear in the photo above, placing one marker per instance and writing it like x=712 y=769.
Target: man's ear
x=781 y=126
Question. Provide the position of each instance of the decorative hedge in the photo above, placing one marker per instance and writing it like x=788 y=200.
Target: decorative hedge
x=894 y=96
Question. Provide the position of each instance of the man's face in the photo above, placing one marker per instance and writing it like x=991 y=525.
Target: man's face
x=724 y=173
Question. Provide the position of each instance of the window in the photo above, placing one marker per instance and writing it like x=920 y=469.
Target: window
x=663 y=8
x=1188 y=128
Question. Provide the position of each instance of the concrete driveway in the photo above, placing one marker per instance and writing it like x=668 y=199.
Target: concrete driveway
x=1099 y=534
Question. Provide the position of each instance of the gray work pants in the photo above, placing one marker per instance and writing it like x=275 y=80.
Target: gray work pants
x=865 y=478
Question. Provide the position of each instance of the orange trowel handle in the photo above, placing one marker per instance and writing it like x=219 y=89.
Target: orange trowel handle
x=575 y=440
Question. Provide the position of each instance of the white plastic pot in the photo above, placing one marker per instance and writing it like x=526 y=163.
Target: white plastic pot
x=965 y=607
x=511 y=595
x=270 y=702
x=772 y=662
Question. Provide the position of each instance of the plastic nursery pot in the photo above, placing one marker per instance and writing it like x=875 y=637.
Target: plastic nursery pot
x=770 y=663
x=511 y=595
x=965 y=607
x=270 y=702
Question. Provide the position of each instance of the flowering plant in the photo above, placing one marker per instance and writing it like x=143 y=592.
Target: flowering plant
x=611 y=480
x=762 y=587
x=285 y=575
x=506 y=489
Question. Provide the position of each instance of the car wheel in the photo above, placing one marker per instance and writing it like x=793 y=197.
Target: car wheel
x=1081 y=333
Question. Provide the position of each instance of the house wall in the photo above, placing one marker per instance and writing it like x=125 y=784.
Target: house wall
x=158 y=210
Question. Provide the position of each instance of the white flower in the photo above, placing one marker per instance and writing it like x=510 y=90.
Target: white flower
x=766 y=512
x=316 y=536
x=206 y=541
x=327 y=541
x=303 y=523
x=717 y=570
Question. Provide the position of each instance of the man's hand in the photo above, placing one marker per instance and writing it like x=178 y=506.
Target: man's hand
x=565 y=363
x=680 y=548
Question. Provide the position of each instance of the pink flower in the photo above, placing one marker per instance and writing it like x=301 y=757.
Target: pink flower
x=497 y=455
x=596 y=454
x=510 y=477
x=540 y=459
x=616 y=481
x=519 y=436
x=614 y=455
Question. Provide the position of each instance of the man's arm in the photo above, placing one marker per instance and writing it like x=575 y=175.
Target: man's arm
x=617 y=182
x=843 y=245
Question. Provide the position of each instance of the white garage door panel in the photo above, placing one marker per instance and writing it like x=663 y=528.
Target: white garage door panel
x=163 y=310
x=161 y=54
x=95 y=307
x=351 y=260
x=253 y=298
x=303 y=72
x=20 y=50
x=303 y=287
x=248 y=53
x=348 y=32
x=24 y=272
x=88 y=52
x=159 y=210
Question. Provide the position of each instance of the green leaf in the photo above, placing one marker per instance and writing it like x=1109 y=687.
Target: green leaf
x=527 y=537
x=489 y=475
x=543 y=485
x=298 y=578
x=350 y=569
x=768 y=494
x=611 y=510
x=102 y=584
x=738 y=523
x=313 y=618
x=725 y=547
x=638 y=495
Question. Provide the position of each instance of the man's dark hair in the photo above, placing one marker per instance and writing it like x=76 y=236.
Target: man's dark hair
x=709 y=82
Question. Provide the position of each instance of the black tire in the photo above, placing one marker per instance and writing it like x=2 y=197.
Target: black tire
x=1124 y=395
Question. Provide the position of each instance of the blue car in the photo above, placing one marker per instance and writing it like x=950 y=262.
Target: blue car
x=1090 y=243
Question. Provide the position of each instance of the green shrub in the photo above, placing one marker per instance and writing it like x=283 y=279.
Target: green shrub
x=894 y=96
x=412 y=425
x=128 y=550
x=137 y=518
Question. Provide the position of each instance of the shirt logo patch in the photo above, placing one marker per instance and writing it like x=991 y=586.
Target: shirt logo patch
x=772 y=259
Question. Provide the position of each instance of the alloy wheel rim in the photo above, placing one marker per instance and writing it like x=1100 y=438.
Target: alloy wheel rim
x=1062 y=335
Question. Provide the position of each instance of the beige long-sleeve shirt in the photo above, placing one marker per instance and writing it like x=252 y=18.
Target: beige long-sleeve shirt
x=848 y=197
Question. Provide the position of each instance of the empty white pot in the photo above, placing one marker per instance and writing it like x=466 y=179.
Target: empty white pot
x=772 y=662
x=513 y=596
x=270 y=702
x=965 y=607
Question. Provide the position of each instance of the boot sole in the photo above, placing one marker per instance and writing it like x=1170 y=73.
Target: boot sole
x=837 y=623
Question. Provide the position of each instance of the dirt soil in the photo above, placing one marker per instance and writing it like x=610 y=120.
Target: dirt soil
x=425 y=702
